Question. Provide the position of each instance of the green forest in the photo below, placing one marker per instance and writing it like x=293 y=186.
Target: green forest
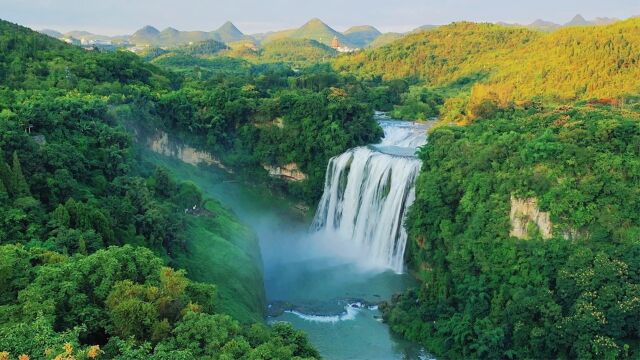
x=547 y=118
x=97 y=247
x=489 y=295
x=490 y=65
x=88 y=235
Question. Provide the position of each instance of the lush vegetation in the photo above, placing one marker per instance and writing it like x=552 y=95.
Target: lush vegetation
x=433 y=56
x=86 y=233
x=296 y=51
x=171 y=38
x=362 y=36
x=506 y=65
x=274 y=116
x=208 y=55
x=127 y=305
x=314 y=29
x=486 y=294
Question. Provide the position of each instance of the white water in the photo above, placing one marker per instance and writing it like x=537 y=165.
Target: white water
x=367 y=193
x=350 y=313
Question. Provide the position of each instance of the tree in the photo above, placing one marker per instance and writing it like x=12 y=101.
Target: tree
x=164 y=184
x=7 y=178
x=19 y=181
x=4 y=195
x=204 y=334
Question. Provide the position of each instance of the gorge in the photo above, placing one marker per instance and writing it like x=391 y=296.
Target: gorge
x=162 y=204
x=327 y=279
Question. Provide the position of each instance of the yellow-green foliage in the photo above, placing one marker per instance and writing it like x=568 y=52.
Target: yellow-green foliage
x=515 y=63
x=438 y=56
x=577 y=62
x=296 y=50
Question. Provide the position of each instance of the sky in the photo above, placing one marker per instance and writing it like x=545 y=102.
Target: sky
x=112 y=17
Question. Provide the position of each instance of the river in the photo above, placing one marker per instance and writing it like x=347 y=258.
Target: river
x=320 y=281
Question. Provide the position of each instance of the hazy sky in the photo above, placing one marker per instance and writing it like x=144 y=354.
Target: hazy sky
x=125 y=16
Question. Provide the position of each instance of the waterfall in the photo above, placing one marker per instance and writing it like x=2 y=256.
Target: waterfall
x=367 y=193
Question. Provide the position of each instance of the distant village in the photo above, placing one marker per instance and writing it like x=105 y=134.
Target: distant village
x=336 y=45
x=90 y=44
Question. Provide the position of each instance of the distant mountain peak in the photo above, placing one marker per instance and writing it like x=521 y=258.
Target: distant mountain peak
x=230 y=27
x=578 y=20
x=314 y=29
x=52 y=33
x=362 y=29
x=544 y=25
x=148 y=29
x=315 y=22
x=604 y=20
x=541 y=22
x=170 y=30
x=228 y=32
x=362 y=35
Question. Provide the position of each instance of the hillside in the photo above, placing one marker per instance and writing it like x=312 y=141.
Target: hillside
x=171 y=37
x=566 y=287
x=89 y=231
x=314 y=29
x=434 y=55
x=296 y=51
x=385 y=39
x=578 y=20
x=543 y=25
x=147 y=35
x=572 y=63
x=362 y=36
x=228 y=33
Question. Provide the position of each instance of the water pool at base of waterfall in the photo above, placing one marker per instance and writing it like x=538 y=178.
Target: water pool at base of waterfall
x=336 y=305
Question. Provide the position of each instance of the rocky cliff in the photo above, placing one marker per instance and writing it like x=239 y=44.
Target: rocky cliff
x=526 y=217
x=161 y=144
x=288 y=172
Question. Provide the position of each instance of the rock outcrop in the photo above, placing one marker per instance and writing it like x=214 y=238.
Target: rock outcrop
x=524 y=214
x=288 y=172
x=162 y=145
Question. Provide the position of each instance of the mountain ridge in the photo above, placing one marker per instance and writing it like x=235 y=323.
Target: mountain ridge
x=359 y=36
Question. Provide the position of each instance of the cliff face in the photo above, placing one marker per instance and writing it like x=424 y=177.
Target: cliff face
x=288 y=172
x=524 y=214
x=161 y=144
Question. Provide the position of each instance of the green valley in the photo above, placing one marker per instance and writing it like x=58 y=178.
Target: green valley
x=403 y=191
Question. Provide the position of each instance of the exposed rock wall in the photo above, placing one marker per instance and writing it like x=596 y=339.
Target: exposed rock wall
x=161 y=144
x=289 y=172
x=525 y=212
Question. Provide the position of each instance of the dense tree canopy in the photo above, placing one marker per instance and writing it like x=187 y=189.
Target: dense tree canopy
x=480 y=65
x=485 y=294
x=86 y=231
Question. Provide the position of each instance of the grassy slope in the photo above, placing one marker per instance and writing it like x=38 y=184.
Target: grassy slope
x=219 y=248
x=222 y=251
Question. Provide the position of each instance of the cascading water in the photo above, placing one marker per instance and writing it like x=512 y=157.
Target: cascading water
x=368 y=191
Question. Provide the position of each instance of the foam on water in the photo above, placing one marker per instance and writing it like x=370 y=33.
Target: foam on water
x=350 y=312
